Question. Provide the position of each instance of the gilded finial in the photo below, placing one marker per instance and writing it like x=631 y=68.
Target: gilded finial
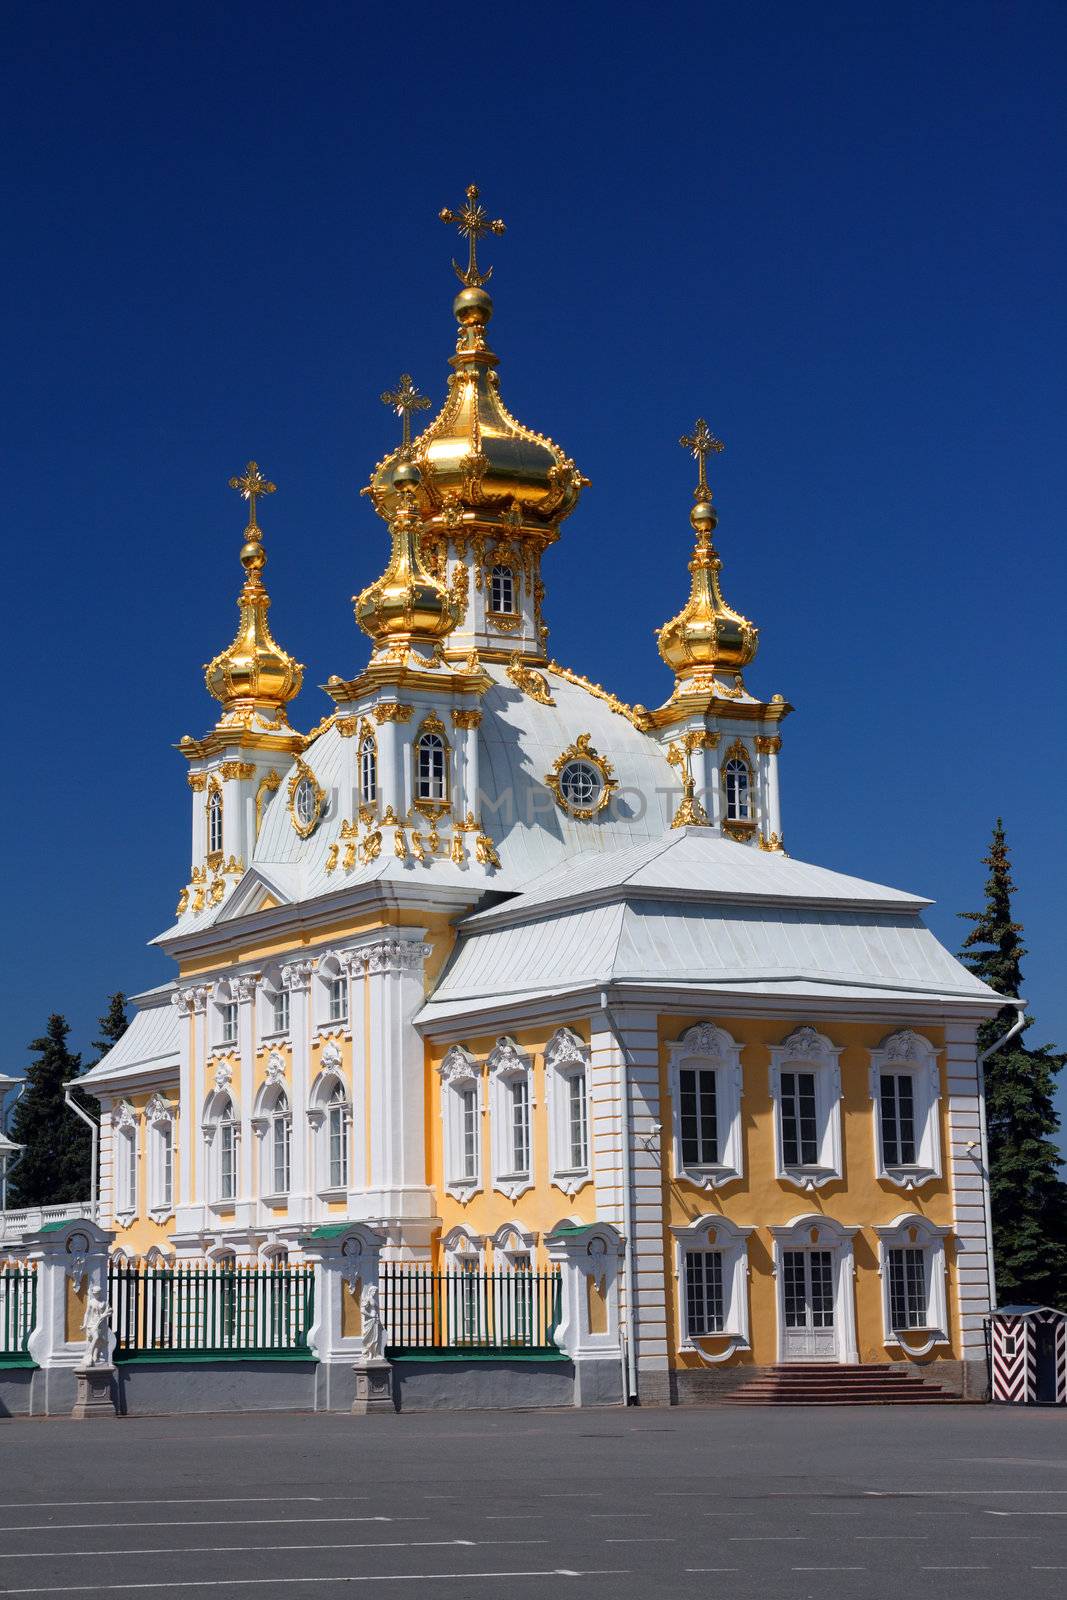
x=473 y=221
x=405 y=399
x=255 y=670
x=701 y=443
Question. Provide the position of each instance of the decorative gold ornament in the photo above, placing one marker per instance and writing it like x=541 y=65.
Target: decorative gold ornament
x=218 y=889
x=393 y=711
x=348 y=860
x=405 y=399
x=198 y=899
x=238 y=769
x=407 y=603
x=370 y=848
x=535 y=684
x=460 y=585
x=773 y=842
x=485 y=851
x=700 y=739
x=417 y=848
x=504 y=621
x=690 y=813
x=331 y=857
x=267 y=786
x=582 y=750
x=255 y=671
x=183 y=903
x=740 y=832
x=466 y=719
x=400 y=847
x=456 y=852
x=346 y=726
x=431 y=723
x=302 y=774
x=197 y=781
x=633 y=714
x=767 y=746
x=473 y=223
x=706 y=633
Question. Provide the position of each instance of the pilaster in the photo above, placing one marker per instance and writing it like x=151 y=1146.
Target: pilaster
x=296 y=978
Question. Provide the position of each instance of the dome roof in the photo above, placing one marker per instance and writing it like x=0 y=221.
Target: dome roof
x=475 y=457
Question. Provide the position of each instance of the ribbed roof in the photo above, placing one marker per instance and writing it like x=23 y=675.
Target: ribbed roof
x=150 y=1041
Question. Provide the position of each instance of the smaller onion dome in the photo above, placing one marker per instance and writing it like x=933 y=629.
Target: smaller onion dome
x=407 y=603
x=254 y=671
x=707 y=635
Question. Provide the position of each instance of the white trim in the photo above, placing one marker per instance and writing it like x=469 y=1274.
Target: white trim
x=161 y=1119
x=705 y=1047
x=806 y=1050
x=125 y=1130
x=460 y=1071
x=913 y=1232
x=567 y=1058
x=326 y=1080
x=909 y=1054
x=508 y=1067
x=715 y=1232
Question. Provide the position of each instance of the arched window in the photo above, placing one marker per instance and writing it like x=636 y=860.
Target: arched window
x=214 y=821
x=431 y=776
x=502 y=590
x=337 y=1121
x=281 y=1143
x=738 y=790
x=226 y=1187
x=368 y=772
x=305 y=803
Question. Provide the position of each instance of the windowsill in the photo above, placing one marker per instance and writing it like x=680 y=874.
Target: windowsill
x=274 y=1035
x=735 y=1343
x=125 y=1217
x=911 y=1177
x=161 y=1213
x=333 y=1195
x=280 y=1199
x=571 y=1172
x=708 y=1177
x=513 y=1177
x=809 y=1177
x=223 y=1208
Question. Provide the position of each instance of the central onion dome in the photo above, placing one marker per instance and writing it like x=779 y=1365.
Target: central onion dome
x=407 y=603
x=707 y=635
x=475 y=457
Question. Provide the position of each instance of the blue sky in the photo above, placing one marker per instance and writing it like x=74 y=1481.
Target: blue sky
x=837 y=232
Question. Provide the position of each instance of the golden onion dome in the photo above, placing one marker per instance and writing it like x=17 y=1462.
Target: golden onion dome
x=254 y=671
x=407 y=603
x=475 y=456
x=707 y=635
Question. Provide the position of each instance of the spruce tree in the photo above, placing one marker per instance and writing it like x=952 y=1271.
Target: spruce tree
x=54 y=1167
x=113 y=1025
x=1028 y=1197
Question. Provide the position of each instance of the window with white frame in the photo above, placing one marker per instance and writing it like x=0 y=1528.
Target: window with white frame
x=806 y=1090
x=226 y=1162
x=567 y=1091
x=337 y=999
x=704 y=1078
x=510 y=1117
x=228 y=1022
x=335 y=1126
x=160 y=1118
x=914 y=1297
x=431 y=768
x=460 y=1077
x=214 y=821
x=502 y=590
x=125 y=1126
x=368 y=771
x=279 y=1011
x=905 y=1090
x=281 y=1143
x=331 y=991
x=737 y=782
x=712 y=1274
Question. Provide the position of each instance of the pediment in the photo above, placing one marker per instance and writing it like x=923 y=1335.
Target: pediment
x=255 y=892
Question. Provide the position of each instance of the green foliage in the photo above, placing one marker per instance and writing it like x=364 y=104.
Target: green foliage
x=1028 y=1196
x=54 y=1165
x=113 y=1024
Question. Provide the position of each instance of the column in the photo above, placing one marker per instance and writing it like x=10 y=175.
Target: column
x=397 y=1191
x=391 y=792
x=182 y=999
x=467 y=721
x=297 y=979
x=968 y=1173
x=354 y=964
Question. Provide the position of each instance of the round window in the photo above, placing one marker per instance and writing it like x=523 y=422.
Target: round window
x=305 y=803
x=580 y=784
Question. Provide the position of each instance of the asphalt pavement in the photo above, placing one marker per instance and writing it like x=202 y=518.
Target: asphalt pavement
x=938 y=1503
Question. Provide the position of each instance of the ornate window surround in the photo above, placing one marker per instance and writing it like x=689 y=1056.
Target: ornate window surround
x=458 y=1071
x=161 y=1122
x=302 y=774
x=273 y=1086
x=215 y=1106
x=583 y=751
x=462 y=1245
x=908 y=1052
x=566 y=1056
x=126 y=1147
x=331 y=969
x=910 y=1231
x=508 y=1064
x=806 y=1050
x=710 y=1048
x=742 y=827
x=715 y=1232
x=428 y=805
x=330 y=1074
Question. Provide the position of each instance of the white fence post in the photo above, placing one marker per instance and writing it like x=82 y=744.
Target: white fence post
x=71 y=1260
x=590 y=1258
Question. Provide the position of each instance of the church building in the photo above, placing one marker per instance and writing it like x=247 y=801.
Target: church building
x=489 y=951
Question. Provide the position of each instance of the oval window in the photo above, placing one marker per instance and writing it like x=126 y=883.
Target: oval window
x=305 y=803
x=580 y=784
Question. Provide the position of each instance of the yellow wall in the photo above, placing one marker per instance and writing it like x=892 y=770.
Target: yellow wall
x=539 y=1208
x=142 y=1233
x=758 y=1197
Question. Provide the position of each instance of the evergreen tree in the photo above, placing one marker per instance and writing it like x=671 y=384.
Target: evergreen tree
x=1028 y=1197
x=113 y=1025
x=54 y=1165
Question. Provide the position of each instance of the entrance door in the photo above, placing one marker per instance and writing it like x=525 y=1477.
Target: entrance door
x=808 y=1306
x=1044 y=1337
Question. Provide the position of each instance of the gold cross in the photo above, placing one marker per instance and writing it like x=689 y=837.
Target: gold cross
x=702 y=442
x=251 y=486
x=473 y=221
x=405 y=399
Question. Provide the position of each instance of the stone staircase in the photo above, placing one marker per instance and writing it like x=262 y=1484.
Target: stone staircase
x=825 y=1384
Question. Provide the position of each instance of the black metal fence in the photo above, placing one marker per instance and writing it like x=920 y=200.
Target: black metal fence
x=258 y=1309
x=461 y=1309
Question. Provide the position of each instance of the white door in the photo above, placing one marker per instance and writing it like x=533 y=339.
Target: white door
x=809 y=1333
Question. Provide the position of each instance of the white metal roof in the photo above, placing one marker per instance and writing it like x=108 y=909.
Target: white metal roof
x=149 y=1043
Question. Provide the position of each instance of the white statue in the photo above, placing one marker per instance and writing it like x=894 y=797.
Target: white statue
x=96 y=1325
x=372 y=1347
